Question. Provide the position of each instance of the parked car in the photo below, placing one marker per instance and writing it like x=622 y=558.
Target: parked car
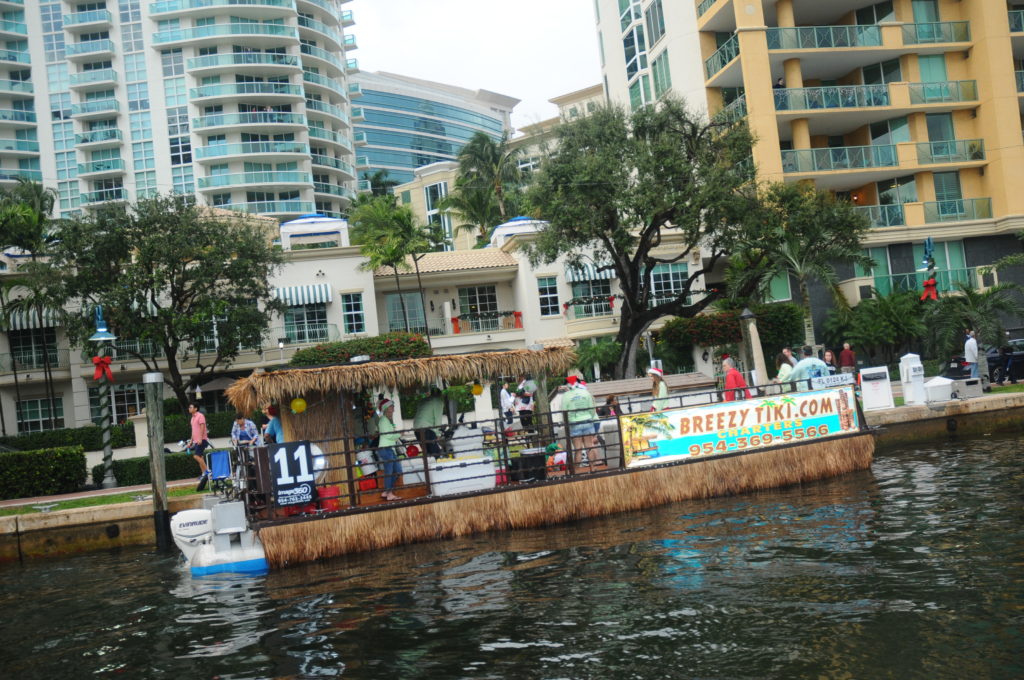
x=1005 y=363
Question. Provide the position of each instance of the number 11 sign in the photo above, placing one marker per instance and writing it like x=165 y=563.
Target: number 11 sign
x=292 y=468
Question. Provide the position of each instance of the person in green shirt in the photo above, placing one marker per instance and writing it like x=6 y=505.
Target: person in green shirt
x=428 y=421
x=583 y=421
x=389 y=439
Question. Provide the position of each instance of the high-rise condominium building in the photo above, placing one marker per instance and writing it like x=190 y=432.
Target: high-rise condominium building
x=911 y=108
x=242 y=102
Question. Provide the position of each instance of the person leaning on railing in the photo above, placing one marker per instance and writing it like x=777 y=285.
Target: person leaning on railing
x=582 y=416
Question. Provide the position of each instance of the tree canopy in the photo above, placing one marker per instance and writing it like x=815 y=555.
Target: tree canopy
x=190 y=286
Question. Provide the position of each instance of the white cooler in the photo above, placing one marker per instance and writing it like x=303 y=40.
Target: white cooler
x=412 y=469
x=459 y=476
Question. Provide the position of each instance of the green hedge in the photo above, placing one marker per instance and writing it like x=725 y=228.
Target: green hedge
x=177 y=426
x=24 y=474
x=132 y=471
x=90 y=438
x=396 y=345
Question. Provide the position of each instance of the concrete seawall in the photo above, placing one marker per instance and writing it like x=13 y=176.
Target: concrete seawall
x=991 y=413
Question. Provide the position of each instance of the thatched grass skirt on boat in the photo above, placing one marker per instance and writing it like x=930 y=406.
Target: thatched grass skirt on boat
x=561 y=501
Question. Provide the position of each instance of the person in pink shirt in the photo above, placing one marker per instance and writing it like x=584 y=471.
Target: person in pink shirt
x=199 y=441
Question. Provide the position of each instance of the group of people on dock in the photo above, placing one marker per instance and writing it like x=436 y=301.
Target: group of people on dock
x=791 y=371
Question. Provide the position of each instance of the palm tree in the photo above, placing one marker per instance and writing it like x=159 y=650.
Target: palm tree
x=475 y=207
x=485 y=163
x=979 y=310
x=380 y=183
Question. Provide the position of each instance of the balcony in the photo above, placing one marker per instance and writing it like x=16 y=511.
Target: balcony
x=839 y=158
x=14 y=174
x=256 y=118
x=329 y=109
x=323 y=55
x=362 y=163
x=34 y=360
x=946 y=281
x=943 y=92
x=97 y=108
x=347 y=18
x=104 y=195
x=332 y=190
x=355 y=90
x=351 y=66
x=364 y=185
x=330 y=136
x=233 y=60
x=357 y=114
x=16 y=28
x=823 y=37
x=350 y=43
x=882 y=216
x=252 y=7
x=326 y=6
x=1016 y=21
x=105 y=167
x=591 y=308
x=98 y=78
x=259 y=178
x=19 y=147
x=273 y=208
x=17 y=89
x=704 y=6
x=323 y=29
x=832 y=97
x=359 y=138
x=955 y=151
x=90 y=49
x=937 y=32
x=106 y=136
x=299 y=334
x=334 y=163
x=246 y=148
x=322 y=81
x=247 y=90
x=735 y=111
x=16 y=117
x=214 y=32
x=959 y=210
x=14 y=56
x=722 y=56
x=486 y=322
x=90 y=19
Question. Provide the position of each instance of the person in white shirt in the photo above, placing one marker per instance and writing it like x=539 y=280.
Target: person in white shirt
x=508 y=404
x=971 y=353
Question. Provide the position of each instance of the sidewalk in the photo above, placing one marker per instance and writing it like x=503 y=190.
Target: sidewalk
x=142 y=489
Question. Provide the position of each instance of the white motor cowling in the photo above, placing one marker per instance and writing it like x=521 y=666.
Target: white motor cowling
x=191 y=529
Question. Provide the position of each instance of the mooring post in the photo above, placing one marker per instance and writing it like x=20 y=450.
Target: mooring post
x=154 y=386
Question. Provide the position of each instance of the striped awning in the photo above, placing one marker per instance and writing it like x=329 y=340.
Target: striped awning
x=294 y=296
x=24 y=320
x=590 y=272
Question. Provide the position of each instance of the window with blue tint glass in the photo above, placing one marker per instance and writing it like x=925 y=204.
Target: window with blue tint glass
x=418 y=124
x=430 y=108
x=403 y=159
x=417 y=142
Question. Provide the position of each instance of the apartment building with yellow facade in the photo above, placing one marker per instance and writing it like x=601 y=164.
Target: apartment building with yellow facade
x=909 y=108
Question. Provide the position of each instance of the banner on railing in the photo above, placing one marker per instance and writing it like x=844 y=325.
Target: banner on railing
x=736 y=426
x=291 y=467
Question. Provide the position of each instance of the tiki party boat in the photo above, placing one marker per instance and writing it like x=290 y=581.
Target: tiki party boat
x=325 y=491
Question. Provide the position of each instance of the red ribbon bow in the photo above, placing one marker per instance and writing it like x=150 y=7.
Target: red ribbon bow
x=102 y=365
x=930 y=292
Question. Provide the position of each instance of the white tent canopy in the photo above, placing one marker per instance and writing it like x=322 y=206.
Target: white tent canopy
x=313 y=229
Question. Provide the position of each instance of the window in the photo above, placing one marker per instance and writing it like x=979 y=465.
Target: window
x=668 y=281
x=655 y=21
x=662 y=79
x=177 y=120
x=629 y=11
x=28 y=347
x=172 y=62
x=67 y=165
x=640 y=92
x=57 y=77
x=69 y=195
x=897 y=191
x=181 y=150
x=591 y=298
x=53 y=44
x=891 y=131
x=881 y=73
x=142 y=154
x=145 y=184
x=220 y=199
x=479 y=306
x=140 y=126
x=306 y=323
x=34 y=415
x=352 y=313
x=779 y=289
x=134 y=67
x=131 y=37
x=432 y=195
x=547 y=291
x=174 y=92
x=138 y=96
x=130 y=11
x=128 y=400
x=635 y=48
x=182 y=180
x=876 y=13
x=63 y=136
x=413 y=310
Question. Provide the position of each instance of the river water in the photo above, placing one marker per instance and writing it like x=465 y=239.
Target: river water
x=914 y=569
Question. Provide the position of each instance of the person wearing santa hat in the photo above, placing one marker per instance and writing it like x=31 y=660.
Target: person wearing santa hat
x=659 y=390
x=389 y=439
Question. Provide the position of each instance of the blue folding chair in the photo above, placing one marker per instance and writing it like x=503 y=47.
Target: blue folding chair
x=219 y=463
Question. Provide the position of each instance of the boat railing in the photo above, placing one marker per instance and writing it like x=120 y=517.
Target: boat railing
x=355 y=474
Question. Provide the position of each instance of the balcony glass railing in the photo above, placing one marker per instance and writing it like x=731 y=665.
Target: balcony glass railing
x=243 y=59
x=832 y=97
x=331 y=136
x=14 y=174
x=15 y=56
x=736 y=110
x=359 y=137
x=218 y=30
x=22 y=86
x=291 y=207
x=936 y=32
x=946 y=281
x=883 y=215
x=100 y=75
x=324 y=5
x=93 y=136
x=27 y=145
x=487 y=322
x=102 y=195
x=355 y=90
x=347 y=18
x=323 y=55
x=954 y=151
x=839 y=158
x=215 y=150
x=13 y=27
x=704 y=6
x=105 y=165
x=329 y=109
x=283 y=177
x=332 y=189
x=90 y=17
x=959 y=210
x=181 y=5
x=1017 y=21
x=364 y=185
x=349 y=42
x=88 y=47
x=331 y=162
x=95 y=106
x=305 y=333
x=233 y=89
x=944 y=91
x=1020 y=80
x=351 y=65
x=320 y=27
x=823 y=37
x=323 y=81
x=729 y=50
x=17 y=116
x=589 y=310
x=254 y=118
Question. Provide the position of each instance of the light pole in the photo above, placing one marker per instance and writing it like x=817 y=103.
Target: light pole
x=104 y=338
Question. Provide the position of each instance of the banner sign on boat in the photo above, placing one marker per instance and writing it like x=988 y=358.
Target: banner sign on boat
x=291 y=466
x=837 y=380
x=736 y=426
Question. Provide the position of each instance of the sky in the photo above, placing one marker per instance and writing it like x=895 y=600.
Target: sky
x=532 y=50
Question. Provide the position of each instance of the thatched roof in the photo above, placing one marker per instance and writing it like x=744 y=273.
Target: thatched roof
x=248 y=394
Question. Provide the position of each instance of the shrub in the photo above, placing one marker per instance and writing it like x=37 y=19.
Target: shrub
x=90 y=438
x=45 y=472
x=132 y=471
x=389 y=346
